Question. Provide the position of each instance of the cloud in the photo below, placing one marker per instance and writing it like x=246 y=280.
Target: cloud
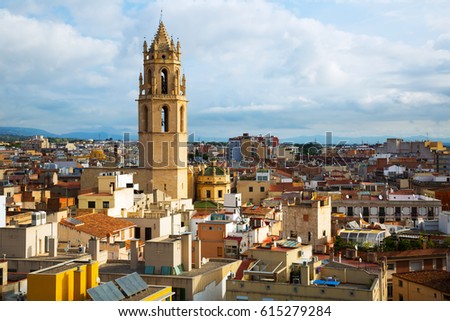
x=243 y=109
x=34 y=50
x=250 y=65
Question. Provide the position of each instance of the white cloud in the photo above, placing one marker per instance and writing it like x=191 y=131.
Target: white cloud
x=282 y=71
x=243 y=109
x=33 y=49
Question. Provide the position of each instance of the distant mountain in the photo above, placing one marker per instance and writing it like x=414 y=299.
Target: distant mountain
x=24 y=131
x=106 y=133
x=195 y=138
x=96 y=135
x=357 y=140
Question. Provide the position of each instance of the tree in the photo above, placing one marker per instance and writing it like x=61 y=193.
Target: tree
x=404 y=245
x=389 y=244
x=339 y=244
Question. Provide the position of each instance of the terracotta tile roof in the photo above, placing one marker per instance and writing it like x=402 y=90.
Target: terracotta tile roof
x=257 y=210
x=234 y=238
x=437 y=279
x=99 y=225
x=403 y=192
x=338 y=181
x=69 y=184
x=285 y=187
x=200 y=215
x=413 y=253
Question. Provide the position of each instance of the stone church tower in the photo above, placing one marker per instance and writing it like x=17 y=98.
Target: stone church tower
x=163 y=116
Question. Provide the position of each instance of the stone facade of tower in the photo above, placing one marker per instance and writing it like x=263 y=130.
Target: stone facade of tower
x=163 y=116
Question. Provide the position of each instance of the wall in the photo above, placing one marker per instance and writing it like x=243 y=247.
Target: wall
x=208 y=283
x=413 y=291
x=212 y=236
x=444 y=222
x=256 y=196
x=24 y=242
x=68 y=285
x=257 y=291
x=310 y=221
x=162 y=252
x=2 y=211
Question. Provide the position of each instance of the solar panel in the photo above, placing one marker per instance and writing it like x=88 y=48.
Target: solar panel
x=131 y=284
x=105 y=292
x=73 y=221
x=290 y=243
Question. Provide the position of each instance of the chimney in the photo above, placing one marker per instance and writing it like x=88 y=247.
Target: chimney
x=94 y=248
x=304 y=276
x=197 y=253
x=448 y=261
x=186 y=251
x=134 y=254
x=52 y=247
x=2 y=211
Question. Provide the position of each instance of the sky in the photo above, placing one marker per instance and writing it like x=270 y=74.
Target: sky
x=289 y=68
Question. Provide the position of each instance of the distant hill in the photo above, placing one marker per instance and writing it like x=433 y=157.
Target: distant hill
x=107 y=133
x=358 y=140
x=24 y=131
x=27 y=132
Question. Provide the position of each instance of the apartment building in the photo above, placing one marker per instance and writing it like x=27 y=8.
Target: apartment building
x=286 y=270
x=421 y=286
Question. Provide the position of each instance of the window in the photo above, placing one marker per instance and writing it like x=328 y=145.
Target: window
x=250 y=189
x=164 y=87
x=400 y=297
x=137 y=232
x=164 y=119
x=105 y=204
x=182 y=119
x=208 y=194
x=261 y=189
x=220 y=251
x=415 y=266
x=391 y=266
x=220 y=194
x=91 y=204
x=400 y=283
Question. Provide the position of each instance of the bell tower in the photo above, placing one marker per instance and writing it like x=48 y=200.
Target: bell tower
x=162 y=116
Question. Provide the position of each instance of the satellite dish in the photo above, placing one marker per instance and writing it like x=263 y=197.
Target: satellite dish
x=380 y=197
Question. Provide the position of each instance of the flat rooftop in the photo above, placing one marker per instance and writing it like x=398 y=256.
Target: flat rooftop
x=124 y=268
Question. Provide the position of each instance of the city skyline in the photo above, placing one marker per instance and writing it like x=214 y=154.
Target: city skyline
x=375 y=68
